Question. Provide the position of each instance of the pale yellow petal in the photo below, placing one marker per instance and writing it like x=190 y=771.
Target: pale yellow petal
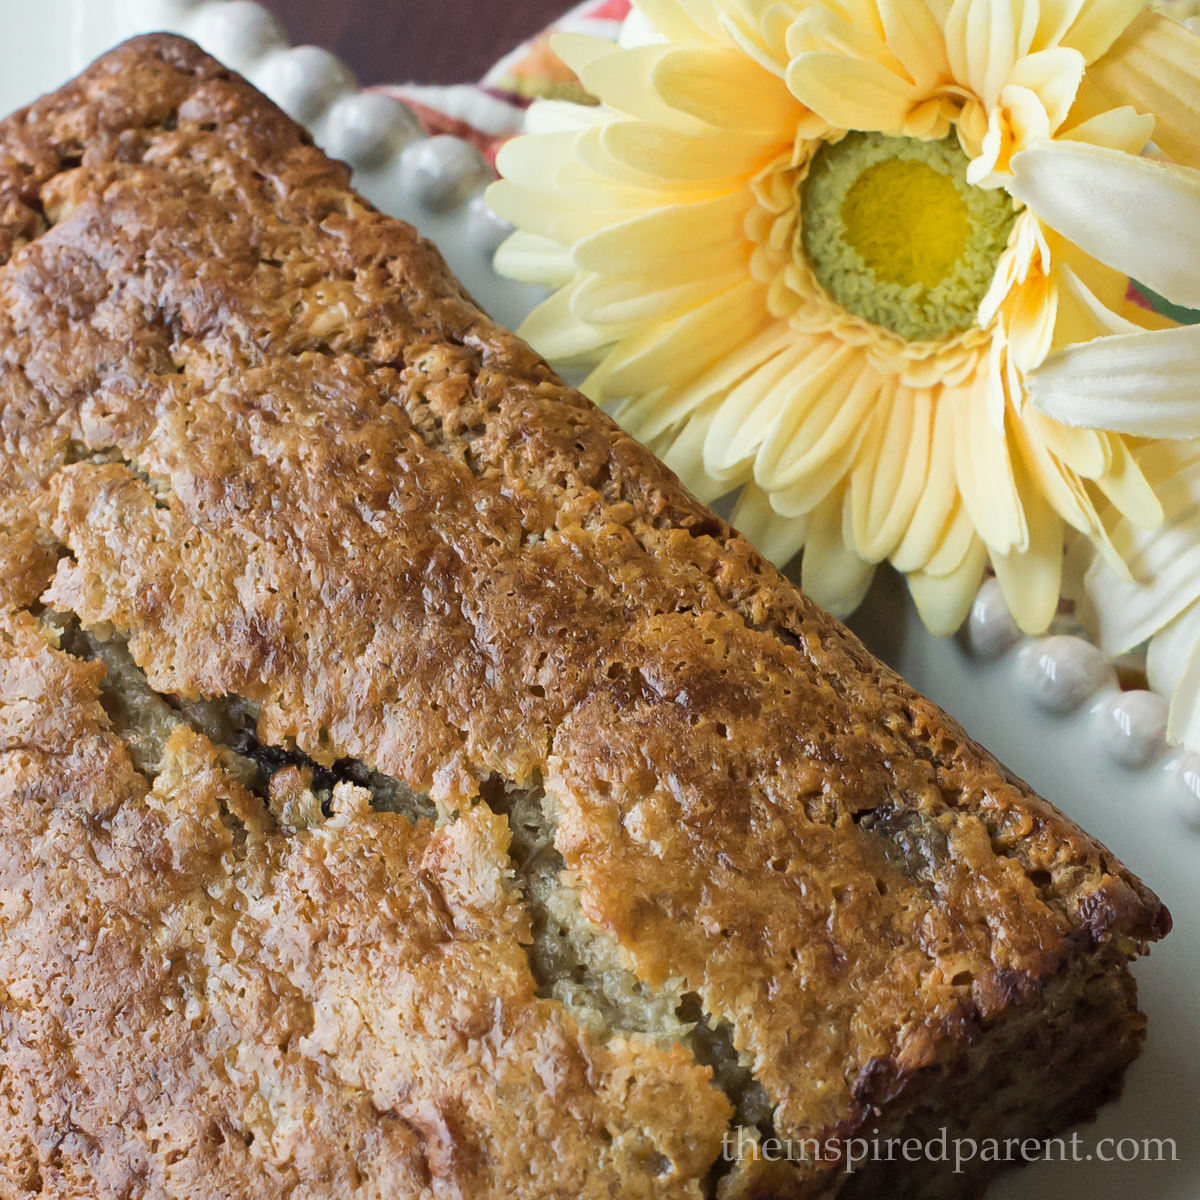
x=1064 y=491
x=1154 y=67
x=681 y=349
x=1091 y=319
x=944 y=601
x=1183 y=720
x=914 y=36
x=671 y=18
x=598 y=155
x=1028 y=121
x=1164 y=561
x=1146 y=384
x=819 y=30
x=1085 y=451
x=940 y=492
x=1099 y=24
x=1055 y=17
x=1119 y=129
x=984 y=470
x=624 y=194
x=775 y=537
x=543 y=213
x=580 y=50
x=555 y=332
x=832 y=574
x=676 y=402
x=622 y=81
x=721 y=86
x=1128 y=489
x=851 y=93
x=1054 y=75
x=686 y=458
x=1031 y=320
x=562 y=116
x=1171 y=650
x=891 y=472
x=981 y=44
x=616 y=300
x=954 y=545
x=822 y=450
x=819 y=393
x=533 y=259
x=759 y=28
x=1139 y=216
x=662 y=153
x=703 y=14
x=1030 y=581
x=672 y=243
x=752 y=407
x=534 y=161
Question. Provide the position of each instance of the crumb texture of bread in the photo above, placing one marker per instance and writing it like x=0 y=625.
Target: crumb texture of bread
x=407 y=788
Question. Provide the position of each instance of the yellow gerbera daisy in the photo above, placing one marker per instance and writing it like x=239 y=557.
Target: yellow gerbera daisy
x=783 y=242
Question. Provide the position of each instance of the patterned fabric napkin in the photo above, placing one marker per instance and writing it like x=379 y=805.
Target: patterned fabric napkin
x=488 y=113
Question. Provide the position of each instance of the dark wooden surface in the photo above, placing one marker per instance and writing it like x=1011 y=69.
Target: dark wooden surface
x=427 y=41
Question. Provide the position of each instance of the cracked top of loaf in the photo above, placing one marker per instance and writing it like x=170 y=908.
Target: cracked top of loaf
x=256 y=429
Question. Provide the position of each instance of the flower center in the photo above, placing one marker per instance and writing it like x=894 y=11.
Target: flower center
x=896 y=235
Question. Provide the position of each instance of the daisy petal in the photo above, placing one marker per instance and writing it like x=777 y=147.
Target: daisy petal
x=981 y=42
x=851 y=93
x=1153 y=66
x=1139 y=216
x=830 y=430
x=752 y=407
x=663 y=153
x=1183 y=720
x=580 y=50
x=667 y=353
x=1054 y=75
x=671 y=242
x=777 y=538
x=1128 y=489
x=1170 y=652
x=832 y=574
x=1099 y=24
x=1164 y=561
x=555 y=332
x=1129 y=612
x=1030 y=580
x=721 y=86
x=1122 y=128
x=533 y=259
x=944 y=600
x=686 y=458
x=678 y=402
x=1147 y=384
x=889 y=475
x=622 y=81
x=1055 y=17
x=671 y=19
x=703 y=14
x=939 y=493
x=561 y=116
x=616 y=300
x=984 y=470
x=915 y=37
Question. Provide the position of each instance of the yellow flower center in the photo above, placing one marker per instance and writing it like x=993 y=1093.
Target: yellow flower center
x=908 y=223
x=896 y=235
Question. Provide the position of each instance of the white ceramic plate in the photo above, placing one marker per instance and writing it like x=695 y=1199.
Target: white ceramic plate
x=1069 y=759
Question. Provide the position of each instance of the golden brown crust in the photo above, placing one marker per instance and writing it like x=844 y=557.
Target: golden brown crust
x=281 y=451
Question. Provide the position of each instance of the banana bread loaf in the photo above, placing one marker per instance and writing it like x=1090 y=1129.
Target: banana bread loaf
x=408 y=789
